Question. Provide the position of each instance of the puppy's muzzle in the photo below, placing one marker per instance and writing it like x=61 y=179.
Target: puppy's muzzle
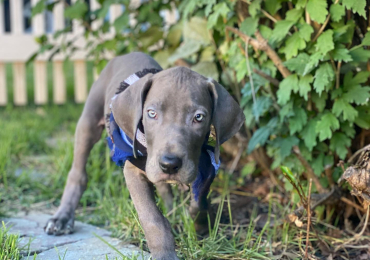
x=170 y=164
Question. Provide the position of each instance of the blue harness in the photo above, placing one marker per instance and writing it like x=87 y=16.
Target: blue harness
x=121 y=147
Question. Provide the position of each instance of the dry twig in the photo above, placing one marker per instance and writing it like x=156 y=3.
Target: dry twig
x=272 y=80
x=357 y=153
x=308 y=218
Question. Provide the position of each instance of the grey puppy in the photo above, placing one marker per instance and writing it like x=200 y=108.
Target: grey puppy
x=164 y=117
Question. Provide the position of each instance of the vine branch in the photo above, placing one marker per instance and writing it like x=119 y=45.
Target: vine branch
x=261 y=44
x=309 y=171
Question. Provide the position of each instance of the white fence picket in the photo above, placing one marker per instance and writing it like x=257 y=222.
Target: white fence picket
x=3 y=90
x=59 y=83
x=19 y=79
x=80 y=81
x=41 y=87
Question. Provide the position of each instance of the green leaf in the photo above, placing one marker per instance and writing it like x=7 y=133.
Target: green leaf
x=340 y=144
x=323 y=77
x=294 y=15
x=208 y=54
x=220 y=10
x=76 y=11
x=286 y=87
x=305 y=31
x=185 y=50
x=285 y=145
x=363 y=119
x=366 y=40
x=348 y=129
x=326 y=125
x=301 y=3
x=309 y=134
x=325 y=42
x=249 y=26
x=357 y=94
x=174 y=35
x=241 y=69
x=249 y=168
x=357 y=6
x=337 y=11
x=38 y=8
x=313 y=62
x=298 y=63
x=319 y=100
x=360 y=55
x=286 y=111
x=293 y=45
x=297 y=122
x=304 y=86
x=121 y=22
x=265 y=31
x=341 y=106
x=317 y=10
x=260 y=137
x=151 y=36
x=254 y=7
x=281 y=30
x=162 y=58
x=272 y=6
x=196 y=29
x=262 y=104
x=360 y=78
x=341 y=54
x=207 y=69
x=344 y=33
x=208 y=9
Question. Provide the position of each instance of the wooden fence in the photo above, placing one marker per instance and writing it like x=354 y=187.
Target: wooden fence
x=16 y=46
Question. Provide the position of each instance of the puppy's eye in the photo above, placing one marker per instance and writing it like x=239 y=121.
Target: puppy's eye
x=198 y=118
x=152 y=113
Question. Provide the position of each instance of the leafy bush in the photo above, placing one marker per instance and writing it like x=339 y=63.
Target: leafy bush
x=298 y=68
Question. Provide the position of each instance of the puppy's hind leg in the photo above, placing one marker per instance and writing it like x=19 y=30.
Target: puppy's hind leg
x=88 y=132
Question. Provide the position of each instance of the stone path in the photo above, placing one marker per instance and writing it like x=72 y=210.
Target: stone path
x=82 y=244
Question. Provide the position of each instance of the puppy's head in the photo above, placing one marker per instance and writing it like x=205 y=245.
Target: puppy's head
x=176 y=108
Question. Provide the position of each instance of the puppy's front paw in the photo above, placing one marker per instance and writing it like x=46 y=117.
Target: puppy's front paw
x=60 y=224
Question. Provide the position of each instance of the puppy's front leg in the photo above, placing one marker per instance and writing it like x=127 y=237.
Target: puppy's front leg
x=156 y=227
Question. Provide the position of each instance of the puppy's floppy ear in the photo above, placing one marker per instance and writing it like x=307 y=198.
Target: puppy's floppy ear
x=227 y=117
x=127 y=107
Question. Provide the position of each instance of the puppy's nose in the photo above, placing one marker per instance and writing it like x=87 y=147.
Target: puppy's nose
x=170 y=164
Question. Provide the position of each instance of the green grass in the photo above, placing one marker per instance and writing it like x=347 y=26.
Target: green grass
x=8 y=244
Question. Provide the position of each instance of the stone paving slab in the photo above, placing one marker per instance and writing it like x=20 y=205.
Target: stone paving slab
x=82 y=244
x=91 y=249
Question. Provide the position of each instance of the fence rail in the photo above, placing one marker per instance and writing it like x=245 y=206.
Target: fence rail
x=17 y=46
